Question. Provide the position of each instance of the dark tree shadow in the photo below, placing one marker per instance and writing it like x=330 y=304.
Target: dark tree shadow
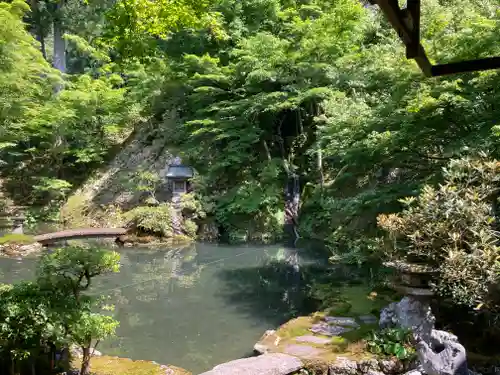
x=275 y=292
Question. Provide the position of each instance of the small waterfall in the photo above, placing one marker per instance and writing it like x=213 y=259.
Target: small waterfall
x=292 y=203
x=291 y=253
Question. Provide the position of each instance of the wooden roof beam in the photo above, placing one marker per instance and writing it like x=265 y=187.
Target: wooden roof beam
x=406 y=22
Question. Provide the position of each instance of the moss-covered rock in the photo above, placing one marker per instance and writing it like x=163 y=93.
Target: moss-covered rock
x=15 y=245
x=335 y=336
x=105 y=365
x=345 y=353
x=298 y=332
x=16 y=238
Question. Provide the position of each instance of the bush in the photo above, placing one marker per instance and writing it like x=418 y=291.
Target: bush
x=152 y=220
x=451 y=228
x=392 y=342
x=55 y=311
x=192 y=206
x=190 y=228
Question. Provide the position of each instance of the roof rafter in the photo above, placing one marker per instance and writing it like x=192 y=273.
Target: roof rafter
x=406 y=22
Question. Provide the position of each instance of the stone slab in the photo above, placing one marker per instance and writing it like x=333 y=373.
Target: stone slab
x=267 y=364
x=368 y=319
x=326 y=329
x=341 y=321
x=261 y=348
x=313 y=339
x=304 y=351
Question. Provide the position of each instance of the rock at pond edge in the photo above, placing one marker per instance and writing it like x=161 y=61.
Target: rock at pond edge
x=341 y=321
x=313 y=340
x=346 y=366
x=303 y=351
x=326 y=329
x=19 y=250
x=266 y=364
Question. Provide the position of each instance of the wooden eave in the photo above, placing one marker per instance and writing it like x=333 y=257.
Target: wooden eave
x=406 y=22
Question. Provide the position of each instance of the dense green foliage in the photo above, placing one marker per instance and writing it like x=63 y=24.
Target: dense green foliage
x=262 y=90
x=450 y=228
x=254 y=94
x=54 y=312
x=322 y=90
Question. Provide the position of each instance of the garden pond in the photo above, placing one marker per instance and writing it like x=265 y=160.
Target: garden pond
x=193 y=307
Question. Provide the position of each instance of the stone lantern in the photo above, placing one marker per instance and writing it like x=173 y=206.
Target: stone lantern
x=412 y=279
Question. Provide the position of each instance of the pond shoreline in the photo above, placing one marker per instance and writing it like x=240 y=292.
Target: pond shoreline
x=112 y=365
x=177 y=305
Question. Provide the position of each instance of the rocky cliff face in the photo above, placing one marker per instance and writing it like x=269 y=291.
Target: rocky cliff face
x=145 y=150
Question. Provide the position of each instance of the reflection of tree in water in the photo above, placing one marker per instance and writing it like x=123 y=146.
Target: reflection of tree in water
x=149 y=275
x=274 y=291
x=177 y=268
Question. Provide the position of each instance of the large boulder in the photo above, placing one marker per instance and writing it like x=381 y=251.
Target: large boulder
x=411 y=313
x=443 y=356
x=267 y=364
x=439 y=352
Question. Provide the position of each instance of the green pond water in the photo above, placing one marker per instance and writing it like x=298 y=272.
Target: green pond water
x=193 y=307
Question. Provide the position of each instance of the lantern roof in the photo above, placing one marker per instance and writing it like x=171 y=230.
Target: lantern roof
x=179 y=171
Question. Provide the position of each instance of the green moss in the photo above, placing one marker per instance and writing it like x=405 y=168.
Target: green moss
x=123 y=366
x=344 y=300
x=339 y=308
x=339 y=344
x=14 y=238
x=296 y=327
x=360 y=333
x=74 y=212
x=350 y=343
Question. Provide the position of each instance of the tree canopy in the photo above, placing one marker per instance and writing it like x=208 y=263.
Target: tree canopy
x=262 y=90
x=253 y=94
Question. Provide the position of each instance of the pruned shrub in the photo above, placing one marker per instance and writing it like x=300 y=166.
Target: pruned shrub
x=151 y=220
x=451 y=227
x=190 y=228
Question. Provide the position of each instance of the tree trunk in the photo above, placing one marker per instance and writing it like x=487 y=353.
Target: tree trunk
x=37 y=27
x=85 y=370
x=266 y=150
x=42 y=44
x=59 y=61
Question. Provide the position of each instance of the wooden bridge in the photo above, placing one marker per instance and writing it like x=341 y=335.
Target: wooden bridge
x=72 y=234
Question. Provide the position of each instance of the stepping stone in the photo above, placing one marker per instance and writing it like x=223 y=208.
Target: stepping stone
x=313 y=339
x=326 y=329
x=341 y=321
x=303 y=351
x=368 y=319
x=267 y=364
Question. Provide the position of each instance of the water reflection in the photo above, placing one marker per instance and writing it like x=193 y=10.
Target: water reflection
x=193 y=307
x=171 y=310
